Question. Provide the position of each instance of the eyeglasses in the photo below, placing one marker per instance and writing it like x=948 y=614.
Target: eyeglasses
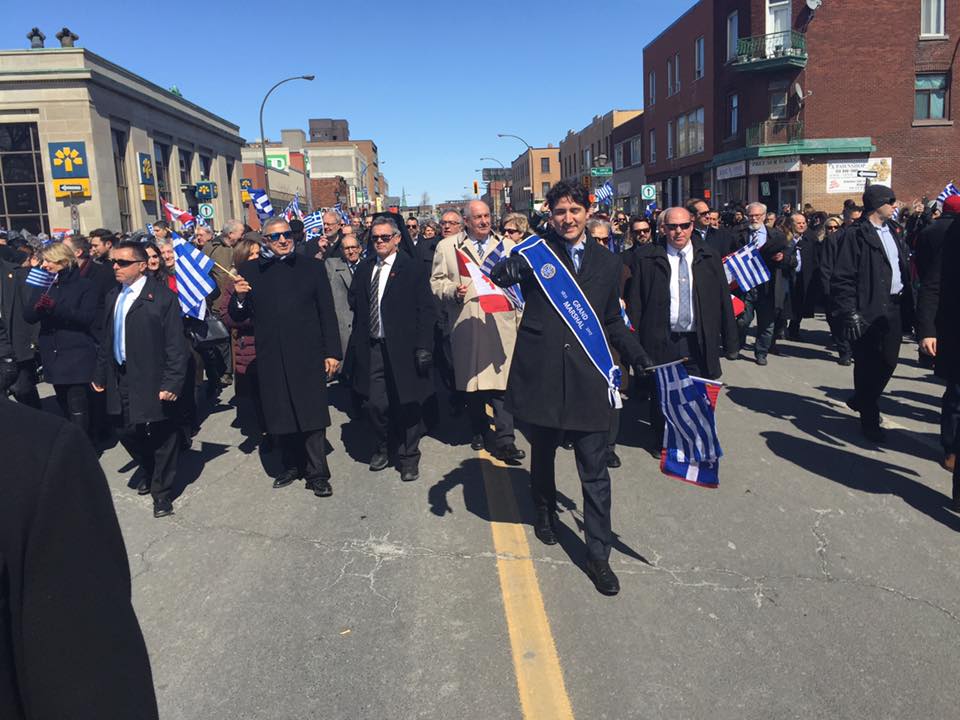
x=276 y=237
x=412 y=226
x=512 y=231
x=678 y=226
x=450 y=222
x=598 y=238
x=381 y=238
x=833 y=227
x=124 y=263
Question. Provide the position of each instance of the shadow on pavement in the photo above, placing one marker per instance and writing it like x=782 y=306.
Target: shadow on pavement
x=192 y=462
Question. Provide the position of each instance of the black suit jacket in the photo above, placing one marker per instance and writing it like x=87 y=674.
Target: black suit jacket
x=721 y=241
x=408 y=314
x=103 y=279
x=21 y=334
x=938 y=260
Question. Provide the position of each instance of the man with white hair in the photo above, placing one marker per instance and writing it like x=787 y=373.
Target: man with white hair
x=329 y=244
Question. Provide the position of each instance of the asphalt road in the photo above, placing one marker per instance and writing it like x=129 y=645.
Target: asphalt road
x=821 y=579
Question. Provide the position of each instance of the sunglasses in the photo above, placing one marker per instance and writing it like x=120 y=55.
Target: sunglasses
x=510 y=231
x=677 y=226
x=641 y=231
x=412 y=227
x=599 y=238
x=124 y=263
x=381 y=238
x=278 y=236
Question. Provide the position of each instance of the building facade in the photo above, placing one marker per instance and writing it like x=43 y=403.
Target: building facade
x=85 y=143
x=581 y=151
x=629 y=172
x=532 y=174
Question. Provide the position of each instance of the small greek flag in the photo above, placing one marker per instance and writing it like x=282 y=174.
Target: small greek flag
x=313 y=224
x=293 y=209
x=338 y=208
x=261 y=203
x=651 y=208
x=746 y=267
x=513 y=293
x=150 y=229
x=604 y=193
x=948 y=191
x=38 y=277
x=193 y=277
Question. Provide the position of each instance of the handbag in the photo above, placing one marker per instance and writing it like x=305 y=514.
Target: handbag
x=207 y=332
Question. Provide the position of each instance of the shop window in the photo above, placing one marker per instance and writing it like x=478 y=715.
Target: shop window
x=186 y=167
x=23 y=199
x=930 y=97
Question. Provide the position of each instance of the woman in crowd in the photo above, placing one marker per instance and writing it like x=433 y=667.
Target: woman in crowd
x=154 y=261
x=515 y=226
x=430 y=229
x=66 y=312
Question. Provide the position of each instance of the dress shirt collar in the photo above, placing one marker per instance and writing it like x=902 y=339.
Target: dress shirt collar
x=136 y=286
x=387 y=261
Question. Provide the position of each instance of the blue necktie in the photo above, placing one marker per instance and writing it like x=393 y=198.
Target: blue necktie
x=577 y=257
x=683 y=275
x=118 y=351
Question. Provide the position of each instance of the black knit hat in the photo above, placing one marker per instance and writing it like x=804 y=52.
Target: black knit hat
x=877 y=195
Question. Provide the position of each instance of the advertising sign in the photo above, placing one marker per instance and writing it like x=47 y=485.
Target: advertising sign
x=68 y=160
x=849 y=177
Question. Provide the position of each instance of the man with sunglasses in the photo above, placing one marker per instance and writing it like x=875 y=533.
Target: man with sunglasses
x=641 y=231
x=413 y=230
x=720 y=241
x=142 y=365
x=869 y=283
x=288 y=297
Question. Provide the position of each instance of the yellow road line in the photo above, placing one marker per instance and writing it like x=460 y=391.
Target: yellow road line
x=535 y=660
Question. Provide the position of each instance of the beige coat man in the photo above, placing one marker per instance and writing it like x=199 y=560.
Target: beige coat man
x=482 y=343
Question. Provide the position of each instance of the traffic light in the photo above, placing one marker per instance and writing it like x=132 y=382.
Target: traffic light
x=476 y=188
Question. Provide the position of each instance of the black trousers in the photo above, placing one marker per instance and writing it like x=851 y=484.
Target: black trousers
x=950 y=417
x=875 y=357
x=306 y=452
x=502 y=433
x=249 y=407
x=590 y=452
x=154 y=445
x=844 y=349
x=20 y=380
x=614 y=432
x=769 y=320
x=74 y=404
x=683 y=345
x=395 y=424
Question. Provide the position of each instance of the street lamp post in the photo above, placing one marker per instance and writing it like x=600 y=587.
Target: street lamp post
x=263 y=139
x=529 y=159
x=506 y=183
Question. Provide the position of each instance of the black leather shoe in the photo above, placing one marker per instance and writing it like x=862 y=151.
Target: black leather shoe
x=509 y=453
x=321 y=487
x=476 y=442
x=410 y=474
x=845 y=360
x=144 y=487
x=379 y=461
x=613 y=460
x=873 y=433
x=162 y=509
x=733 y=356
x=761 y=360
x=285 y=478
x=543 y=528
x=604 y=579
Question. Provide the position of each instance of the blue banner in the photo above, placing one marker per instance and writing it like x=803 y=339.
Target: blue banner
x=568 y=300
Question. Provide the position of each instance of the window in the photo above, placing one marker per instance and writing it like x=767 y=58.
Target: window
x=699 y=58
x=205 y=164
x=651 y=88
x=636 y=152
x=587 y=158
x=669 y=78
x=931 y=17
x=618 y=156
x=683 y=148
x=669 y=139
x=230 y=187
x=23 y=198
x=653 y=147
x=545 y=165
x=120 y=167
x=697 y=145
x=161 y=155
x=544 y=189
x=778 y=105
x=733 y=115
x=186 y=167
x=930 y=97
x=733 y=34
x=689 y=133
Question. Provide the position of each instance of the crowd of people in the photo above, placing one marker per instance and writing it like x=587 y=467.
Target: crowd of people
x=394 y=314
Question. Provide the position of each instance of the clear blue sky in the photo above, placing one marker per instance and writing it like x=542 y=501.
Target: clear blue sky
x=432 y=83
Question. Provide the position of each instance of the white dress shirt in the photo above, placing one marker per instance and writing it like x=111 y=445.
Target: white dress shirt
x=128 y=300
x=893 y=257
x=479 y=245
x=759 y=237
x=673 y=257
x=385 y=265
x=579 y=245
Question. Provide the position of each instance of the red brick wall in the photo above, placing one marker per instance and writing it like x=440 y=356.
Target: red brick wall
x=325 y=191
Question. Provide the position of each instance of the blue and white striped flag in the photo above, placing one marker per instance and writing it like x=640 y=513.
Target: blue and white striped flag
x=948 y=191
x=604 y=193
x=313 y=224
x=691 y=447
x=746 y=267
x=651 y=208
x=261 y=203
x=150 y=229
x=38 y=277
x=293 y=208
x=513 y=293
x=193 y=278
x=338 y=208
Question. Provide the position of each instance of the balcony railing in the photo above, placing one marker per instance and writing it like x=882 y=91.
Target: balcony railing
x=774 y=132
x=773 y=50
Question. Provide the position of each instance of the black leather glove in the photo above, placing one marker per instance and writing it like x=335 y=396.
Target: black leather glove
x=642 y=361
x=423 y=360
x=510 y=271
x=852 y=326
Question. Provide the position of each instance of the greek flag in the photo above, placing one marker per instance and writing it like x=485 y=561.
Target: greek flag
x=150 y=229
x=513 y=293
x=604 y=193
x=746 y=267
x=261 y=203
x=948 y=191
x=313 y=224
x=193 y=278
x=338 y=208
x=293 y=209
x=651 y=208
x=691 y=448
x=38 y=277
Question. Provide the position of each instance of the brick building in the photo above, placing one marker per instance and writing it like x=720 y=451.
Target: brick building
x=532 y=174
x=629 y=174
x=591 y=146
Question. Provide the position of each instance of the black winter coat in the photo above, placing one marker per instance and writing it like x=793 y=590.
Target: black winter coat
x=156 y=354
x=21 y=334
x=806 y=282
x=68 y=348
x=294 y=319
x=70 y=644
x=721 y=241
x=101 y=275
x=648 y=304
x=552 y=381
x=781 y=272
x=938 y=301
x=408 y=314
x=861 y=276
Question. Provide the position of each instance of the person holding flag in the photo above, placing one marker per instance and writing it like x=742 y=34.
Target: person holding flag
x=563 y=380
x=482 y=325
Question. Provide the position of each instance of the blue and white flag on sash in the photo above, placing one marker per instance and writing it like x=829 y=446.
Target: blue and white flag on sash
x=746 y=267
x=313 y=224
x=192 y=272
x=691 y=447
x=513 y=293
x=948 y=191
x=38 y=277
x=261 y=203
x=562 y=291
x=604 y=193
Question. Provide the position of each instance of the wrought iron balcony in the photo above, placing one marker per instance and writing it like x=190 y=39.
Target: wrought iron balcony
x=775 y=51
x=774 y=132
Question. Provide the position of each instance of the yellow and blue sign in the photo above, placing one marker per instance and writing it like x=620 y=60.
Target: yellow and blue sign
x=145 y=168
x=205 y=190
x=68 y=160
x=245 y=185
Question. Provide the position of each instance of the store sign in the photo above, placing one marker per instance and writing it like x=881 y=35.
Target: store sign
x=68 y=160
x=70 y=188
x=769 y=166
x=278 y=161
x=148 y=190
x=733 y=170
x=245 y=185
x=850 y=176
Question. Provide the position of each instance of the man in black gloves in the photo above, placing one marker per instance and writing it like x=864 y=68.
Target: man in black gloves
x=562 y=382
x=870 y=280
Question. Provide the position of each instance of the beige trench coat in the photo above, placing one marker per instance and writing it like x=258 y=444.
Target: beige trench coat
x=482 y=343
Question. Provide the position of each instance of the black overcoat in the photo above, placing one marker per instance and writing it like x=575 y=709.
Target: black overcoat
x=23 y=335
x=70 y=644
x=552 y=381
x=408 y=313
x=938 y=300
x=294 y=319
x=157 y=354
x=648 y=304
x=68 y=347
x=103 y=279
x=806 y=283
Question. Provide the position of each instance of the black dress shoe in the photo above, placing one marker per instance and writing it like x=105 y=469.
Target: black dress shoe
x=379 y=460
x=410 y=474
x=733 y=356
x=604 y=579
x=509 y=453
x=761 y=360
x=544 y=526
x=162 y=509
x=613 y=460
x=873 y=433
x=476 y=442
x=144 y=487
x=321 y=487
x=285 y=478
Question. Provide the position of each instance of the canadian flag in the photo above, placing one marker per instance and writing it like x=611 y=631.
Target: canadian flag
x=492 y=299
x=175 y=213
